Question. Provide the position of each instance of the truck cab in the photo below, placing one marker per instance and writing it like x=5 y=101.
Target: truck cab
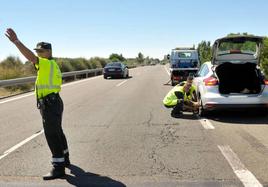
x=183 y=62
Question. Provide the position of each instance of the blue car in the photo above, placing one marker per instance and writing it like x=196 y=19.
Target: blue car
x=115 y=70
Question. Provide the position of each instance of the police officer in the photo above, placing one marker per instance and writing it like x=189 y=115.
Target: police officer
x=47 y=88
x=182 y=98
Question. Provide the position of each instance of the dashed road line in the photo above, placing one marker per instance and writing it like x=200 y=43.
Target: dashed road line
x=244 y=175
x=206 y=124
x=167 y=70
x=121 y=83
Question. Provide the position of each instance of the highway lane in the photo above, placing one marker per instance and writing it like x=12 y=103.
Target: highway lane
x=246 y=133
x=119 y=133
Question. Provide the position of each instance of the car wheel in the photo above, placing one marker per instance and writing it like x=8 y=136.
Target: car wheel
x=104 y=76
x=202 y=111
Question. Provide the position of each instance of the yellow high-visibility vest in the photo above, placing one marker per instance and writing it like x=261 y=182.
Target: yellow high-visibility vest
x=48 y=79
x=171 y=99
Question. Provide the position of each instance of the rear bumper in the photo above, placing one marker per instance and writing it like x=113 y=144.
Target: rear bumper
x=181 y=74
x=114 y=74
x=212 y=106
x=218 y=101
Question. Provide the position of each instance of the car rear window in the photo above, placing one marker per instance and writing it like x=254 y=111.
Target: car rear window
x=114 y=65
x=184 y=54
x=247 y=47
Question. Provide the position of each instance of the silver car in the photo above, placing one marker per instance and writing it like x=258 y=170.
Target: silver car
x=233 y=79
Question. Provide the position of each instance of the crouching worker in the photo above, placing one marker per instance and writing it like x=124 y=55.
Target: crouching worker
x=182 y=98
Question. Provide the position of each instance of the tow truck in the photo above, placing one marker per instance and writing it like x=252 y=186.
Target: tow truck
x=184 y=61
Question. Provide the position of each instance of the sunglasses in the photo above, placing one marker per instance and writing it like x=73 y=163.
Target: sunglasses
x=40 y=51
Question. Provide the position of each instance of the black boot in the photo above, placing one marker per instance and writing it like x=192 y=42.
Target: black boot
x=67 y=160
x=56 y=172
x=176 y=114
x=177 y=110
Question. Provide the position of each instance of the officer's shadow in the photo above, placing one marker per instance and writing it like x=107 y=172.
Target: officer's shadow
x=80 y=178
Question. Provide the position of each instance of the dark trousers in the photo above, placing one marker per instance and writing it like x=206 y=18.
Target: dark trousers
x=51 y=109
x=179 y=106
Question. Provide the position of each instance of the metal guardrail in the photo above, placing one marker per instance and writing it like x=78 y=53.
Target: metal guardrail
x=25 y=80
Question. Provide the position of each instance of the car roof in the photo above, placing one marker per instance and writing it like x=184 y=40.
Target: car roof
x=238 y=58
x=240 y=38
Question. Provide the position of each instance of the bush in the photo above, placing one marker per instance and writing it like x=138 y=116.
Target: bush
x=78 y=64
x=264 y=57
x=64 y=65
x=97 y=63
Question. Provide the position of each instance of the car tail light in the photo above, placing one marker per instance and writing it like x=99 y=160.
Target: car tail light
x=176 y=77
x=265 y=81
x=235 y=51
x=211 y=81
x=210 y=105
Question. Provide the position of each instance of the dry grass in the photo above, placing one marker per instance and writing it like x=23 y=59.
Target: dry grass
x=4 y=92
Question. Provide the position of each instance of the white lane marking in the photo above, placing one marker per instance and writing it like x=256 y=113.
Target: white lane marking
x=16 y=98
x=80 y=81
x=206 y=123
x=167 y=70
x=7 y=152
x=244 y=175
x=67 y=84
x=121 y=83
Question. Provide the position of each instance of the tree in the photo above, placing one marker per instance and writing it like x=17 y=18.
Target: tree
x=116 y=57
x=204 y=51
x=140 y=58
x=264 y=57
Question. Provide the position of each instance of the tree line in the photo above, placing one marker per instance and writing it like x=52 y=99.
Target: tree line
x=12 y=67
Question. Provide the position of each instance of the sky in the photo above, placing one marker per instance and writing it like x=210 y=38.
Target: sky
x=90 y=28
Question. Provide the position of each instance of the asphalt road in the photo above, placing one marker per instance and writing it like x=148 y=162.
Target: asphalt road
x=120 y=134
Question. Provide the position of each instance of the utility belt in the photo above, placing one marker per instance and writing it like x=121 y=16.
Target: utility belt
x=48 y=100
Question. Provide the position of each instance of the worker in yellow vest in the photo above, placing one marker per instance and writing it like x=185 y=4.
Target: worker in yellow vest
x=182 y=98
x=47 y=88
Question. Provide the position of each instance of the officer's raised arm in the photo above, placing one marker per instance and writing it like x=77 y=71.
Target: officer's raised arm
x=27 y=53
